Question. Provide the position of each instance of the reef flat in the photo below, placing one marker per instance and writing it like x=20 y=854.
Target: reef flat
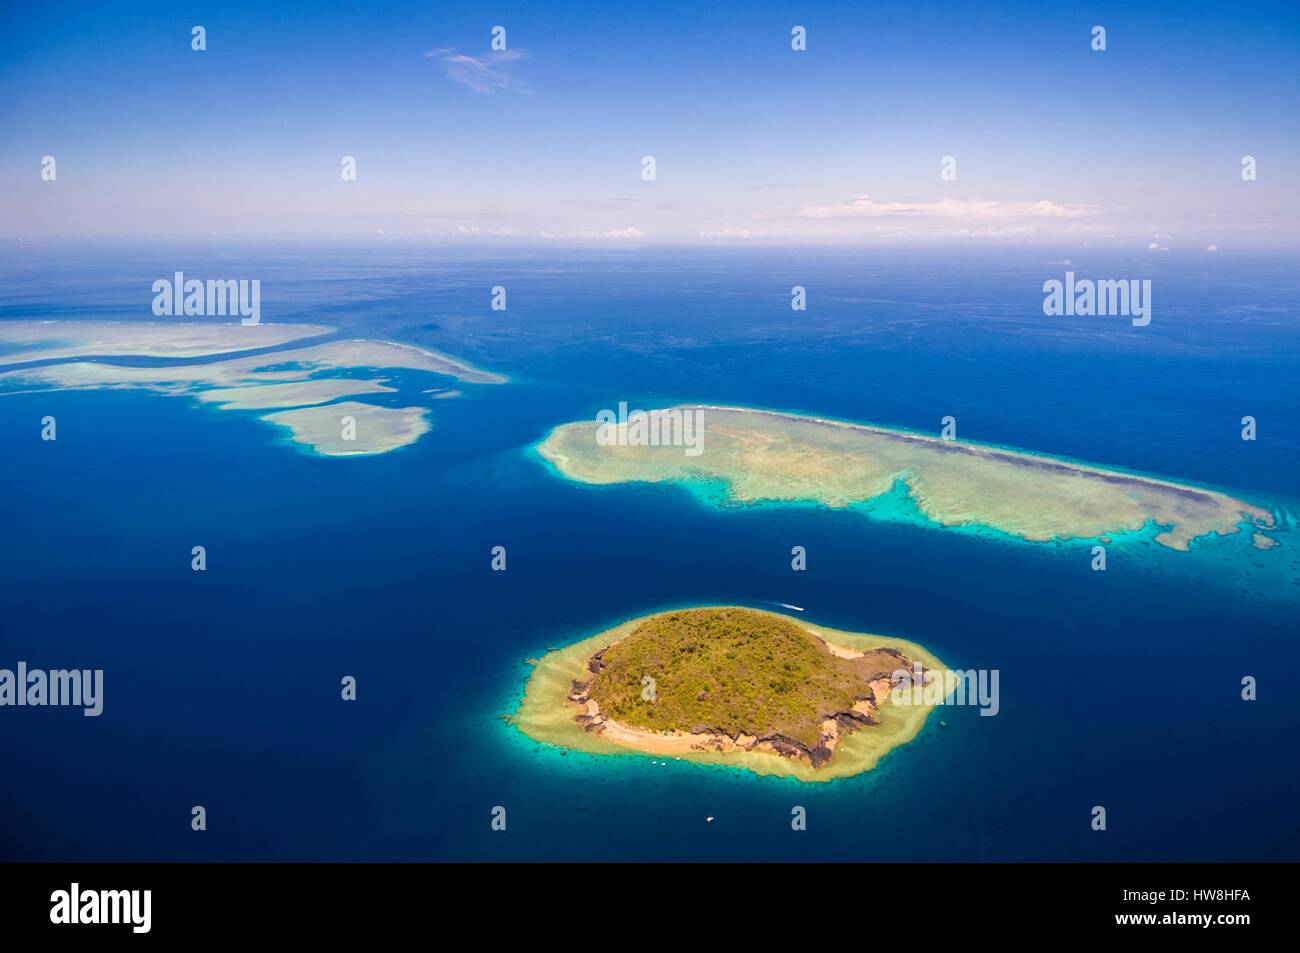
x=49 y=340
x=298 y=382
x=373 y=429
x=763 y=455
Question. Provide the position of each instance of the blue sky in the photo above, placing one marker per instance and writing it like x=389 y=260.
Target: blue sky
x=753 y=142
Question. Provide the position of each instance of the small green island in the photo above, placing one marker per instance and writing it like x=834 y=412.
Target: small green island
x=728 y=685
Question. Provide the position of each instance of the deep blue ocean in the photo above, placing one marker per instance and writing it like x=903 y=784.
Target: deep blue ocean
x=1119 y=689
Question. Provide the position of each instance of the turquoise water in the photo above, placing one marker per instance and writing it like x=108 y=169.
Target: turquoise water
x=1118 y=688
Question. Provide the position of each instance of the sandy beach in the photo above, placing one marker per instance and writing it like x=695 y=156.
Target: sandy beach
x=547 y=714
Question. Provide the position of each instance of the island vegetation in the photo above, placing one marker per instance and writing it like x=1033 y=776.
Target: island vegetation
x=728 y=685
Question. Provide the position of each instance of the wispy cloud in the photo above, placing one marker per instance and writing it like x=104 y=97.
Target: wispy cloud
x=745 y=234
x=627 y=234
x=483 y=74
x=864 y=207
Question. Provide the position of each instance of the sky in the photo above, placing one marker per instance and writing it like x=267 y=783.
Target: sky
x=753 y=142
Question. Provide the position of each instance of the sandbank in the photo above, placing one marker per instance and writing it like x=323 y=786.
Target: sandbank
x=295 y=379
x=49 y=340
x=377 y=429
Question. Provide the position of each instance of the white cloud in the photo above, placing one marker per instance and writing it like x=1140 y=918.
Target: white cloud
x=864 y=207
x=747 y=234
x=1212 y=248
x=476 y=231
x=483 y=74
x=628 y=233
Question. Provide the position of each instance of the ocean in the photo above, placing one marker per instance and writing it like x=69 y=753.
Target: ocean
x=1119 y=689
